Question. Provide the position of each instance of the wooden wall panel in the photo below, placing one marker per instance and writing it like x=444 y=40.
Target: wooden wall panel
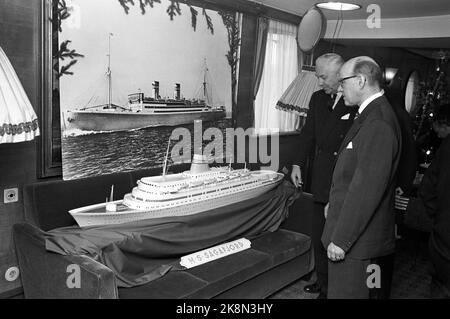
x=399 y=58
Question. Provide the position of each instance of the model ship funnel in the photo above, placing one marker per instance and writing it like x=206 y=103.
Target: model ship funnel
x=155 y=90
x=177 y=94
x=199 y=164
x=111 y=195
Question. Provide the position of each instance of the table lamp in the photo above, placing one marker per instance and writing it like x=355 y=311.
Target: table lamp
x=297 y=96
x=18 y=121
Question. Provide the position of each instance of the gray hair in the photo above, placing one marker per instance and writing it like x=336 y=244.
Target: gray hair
x=368 y=67
x=331 y=58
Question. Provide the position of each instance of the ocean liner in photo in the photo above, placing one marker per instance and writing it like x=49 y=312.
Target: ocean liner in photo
x=200 y=189
x=143 y=111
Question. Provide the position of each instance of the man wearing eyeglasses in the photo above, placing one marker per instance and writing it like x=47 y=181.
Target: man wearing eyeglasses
x=359 y=230
x=327 y=122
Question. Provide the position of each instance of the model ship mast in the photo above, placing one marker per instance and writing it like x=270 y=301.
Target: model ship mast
x=165 y=160
x=111 y=196
x=109 y=73
x=205 y=93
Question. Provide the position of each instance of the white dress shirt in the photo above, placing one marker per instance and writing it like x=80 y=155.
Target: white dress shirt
x=368 y=100
x=336 y=100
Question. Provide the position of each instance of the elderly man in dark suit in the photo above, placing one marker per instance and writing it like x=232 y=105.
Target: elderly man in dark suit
x=359 y=229
x=327 y=122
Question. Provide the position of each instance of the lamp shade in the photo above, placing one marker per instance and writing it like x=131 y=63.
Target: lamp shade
x=297 y=96
x=18 y=121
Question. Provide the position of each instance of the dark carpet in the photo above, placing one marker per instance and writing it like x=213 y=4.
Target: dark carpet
x=411 y=279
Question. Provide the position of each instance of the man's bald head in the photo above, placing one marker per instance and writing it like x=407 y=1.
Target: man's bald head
x=331 y=59
x=359 y=79
x=327 y=69
x=367 y=67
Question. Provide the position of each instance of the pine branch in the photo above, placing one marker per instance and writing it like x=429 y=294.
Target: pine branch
x=194 y=14
x=173 y=9
x=63 y=53
x=208 y=21
x=65 y=68
x=150 y=3
x=125 y=5
x=232 y=26
x=61 y=12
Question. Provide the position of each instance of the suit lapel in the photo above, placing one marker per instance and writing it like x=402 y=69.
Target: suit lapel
x=358 y=123
x=332 y=120
x=350 y=134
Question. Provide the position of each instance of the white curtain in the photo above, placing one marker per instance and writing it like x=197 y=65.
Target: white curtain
x=280 y=69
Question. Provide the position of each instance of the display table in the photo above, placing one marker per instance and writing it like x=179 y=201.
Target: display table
x=142 y=261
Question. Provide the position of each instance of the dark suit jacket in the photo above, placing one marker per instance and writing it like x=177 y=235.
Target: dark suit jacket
x=322 y=136
x=409 y=161
x=361 y=213
x=434 y=192
x=406 y=171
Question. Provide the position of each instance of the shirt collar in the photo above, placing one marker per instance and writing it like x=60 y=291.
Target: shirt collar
x=369 y=100
x=337 y=97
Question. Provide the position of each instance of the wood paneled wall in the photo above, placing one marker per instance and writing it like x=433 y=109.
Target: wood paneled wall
x=19 y=39
x=404 y=60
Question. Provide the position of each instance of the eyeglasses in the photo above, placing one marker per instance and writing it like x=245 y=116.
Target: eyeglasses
x=341 y=81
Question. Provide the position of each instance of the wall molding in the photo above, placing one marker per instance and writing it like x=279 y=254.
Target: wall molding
x=401 y=28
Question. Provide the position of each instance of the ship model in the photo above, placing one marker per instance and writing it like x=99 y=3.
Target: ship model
x=142 y=111
x=200 y=189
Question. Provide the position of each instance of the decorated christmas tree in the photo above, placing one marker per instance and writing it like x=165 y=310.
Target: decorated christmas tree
x=434 y=92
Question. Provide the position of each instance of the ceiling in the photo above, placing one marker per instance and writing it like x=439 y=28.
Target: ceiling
x=389 y=8
x=394 y=13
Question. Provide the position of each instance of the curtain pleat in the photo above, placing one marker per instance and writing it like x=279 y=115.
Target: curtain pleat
x=280 y=69
x=261 y=42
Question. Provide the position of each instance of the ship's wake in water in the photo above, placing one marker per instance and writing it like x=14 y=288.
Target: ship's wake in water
x=89 y=153
x=73 y=132
x=77 y=132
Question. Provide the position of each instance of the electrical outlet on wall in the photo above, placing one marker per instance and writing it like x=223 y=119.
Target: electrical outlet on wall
x=10 y=195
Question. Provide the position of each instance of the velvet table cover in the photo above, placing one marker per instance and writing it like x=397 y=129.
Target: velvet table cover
x=145 y=250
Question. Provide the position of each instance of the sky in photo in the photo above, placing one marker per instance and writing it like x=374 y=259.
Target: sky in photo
x=144 y=48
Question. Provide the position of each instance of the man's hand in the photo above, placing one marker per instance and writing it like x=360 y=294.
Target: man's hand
x=325 y=210
x=335 y=253
x=296 y=176
x=401 y=203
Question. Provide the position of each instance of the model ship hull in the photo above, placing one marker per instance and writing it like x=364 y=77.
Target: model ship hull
x=97 y=215
x=126 y=120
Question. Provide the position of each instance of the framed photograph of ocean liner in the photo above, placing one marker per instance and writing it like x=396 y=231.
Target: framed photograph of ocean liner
x=126 y=74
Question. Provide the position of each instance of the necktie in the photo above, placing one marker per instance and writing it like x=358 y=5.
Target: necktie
x=330 y=103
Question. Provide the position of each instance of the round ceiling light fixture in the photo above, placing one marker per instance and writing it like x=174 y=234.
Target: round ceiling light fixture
x=338 y=6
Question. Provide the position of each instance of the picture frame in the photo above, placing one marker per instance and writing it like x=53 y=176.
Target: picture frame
x=49 y=148
x=49 y=145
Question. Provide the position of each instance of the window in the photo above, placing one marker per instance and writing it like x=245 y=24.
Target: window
x=280 y=69
x=411 y=92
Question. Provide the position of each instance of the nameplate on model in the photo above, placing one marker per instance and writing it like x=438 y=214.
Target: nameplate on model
x=214 y=253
